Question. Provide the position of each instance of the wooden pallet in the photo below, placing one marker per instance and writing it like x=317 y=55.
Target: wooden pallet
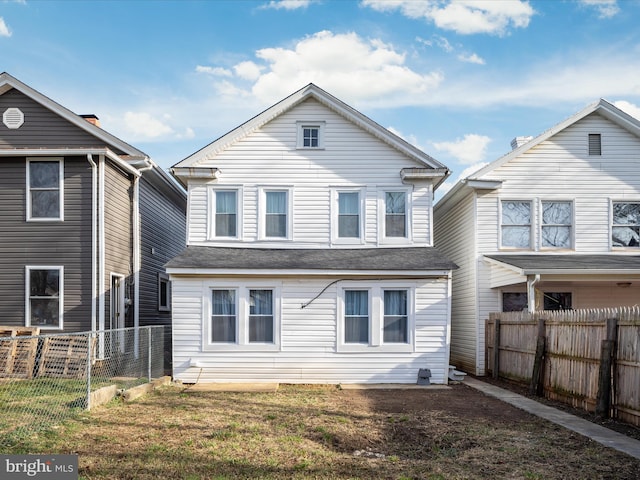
x=18 y=355
x=65 y=357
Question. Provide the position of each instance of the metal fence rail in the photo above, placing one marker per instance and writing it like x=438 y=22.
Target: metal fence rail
x=45 y=379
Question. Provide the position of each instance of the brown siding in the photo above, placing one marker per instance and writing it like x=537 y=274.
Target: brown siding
x=118 y=233
x=42 y=127
x=66 y=243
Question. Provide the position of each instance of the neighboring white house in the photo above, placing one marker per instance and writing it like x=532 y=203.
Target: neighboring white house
x=309 y=253
x=554 y=224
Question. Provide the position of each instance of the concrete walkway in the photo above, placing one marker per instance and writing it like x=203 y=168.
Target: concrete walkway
x=600 y=434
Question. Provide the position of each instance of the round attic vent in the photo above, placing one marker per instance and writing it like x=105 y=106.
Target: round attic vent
x=13 y=118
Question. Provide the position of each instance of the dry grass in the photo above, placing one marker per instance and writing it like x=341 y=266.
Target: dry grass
x=325 y=432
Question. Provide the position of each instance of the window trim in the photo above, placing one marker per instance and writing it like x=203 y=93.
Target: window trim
x=163 y=278
x=262 y=212
x=571 y=226
x=212 y=212
x=335 y=215
x=60 y=161
x=301 y=125
x=501 y=202
x=27 y=291
x=611 y=225
x=242 y=314
x=376 y=317
x=382 y=215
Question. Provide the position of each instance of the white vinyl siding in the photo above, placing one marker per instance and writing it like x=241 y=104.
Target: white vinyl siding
x=308 y=349
x=268 y=158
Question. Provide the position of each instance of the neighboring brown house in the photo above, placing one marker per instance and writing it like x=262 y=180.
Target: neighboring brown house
x=86 y=221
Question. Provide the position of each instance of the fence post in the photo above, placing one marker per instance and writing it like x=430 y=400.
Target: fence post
x=605 y=378
x=496 y=348
x=89 y=335
x=537 y=377
x=149 y=352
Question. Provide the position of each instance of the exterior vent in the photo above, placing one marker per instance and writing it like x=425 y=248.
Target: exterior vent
x=13 y=118
x=595 y=144
x=519 y=141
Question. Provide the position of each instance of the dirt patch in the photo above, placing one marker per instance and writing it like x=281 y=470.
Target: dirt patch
x=329 y=433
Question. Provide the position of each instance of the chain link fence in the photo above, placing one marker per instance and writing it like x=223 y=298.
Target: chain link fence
x=45 y=379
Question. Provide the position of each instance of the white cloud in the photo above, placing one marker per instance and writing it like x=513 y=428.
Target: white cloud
x=4 y=29
x=342 y=64
x=215 y=71
x=247 y=70
x=628 y=107
x=605 y=8
x=463 y=16
x=471 y=58
x=145 y=125
x=472 y=148
x=287 y=4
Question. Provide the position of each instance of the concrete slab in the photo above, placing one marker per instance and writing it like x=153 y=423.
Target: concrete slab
x=596 y=432
x=231 y=387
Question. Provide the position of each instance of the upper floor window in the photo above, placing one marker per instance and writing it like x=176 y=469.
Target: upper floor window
x=44 y=292
x=595 y=144
x=45 y=186
x=226 y=213
x=348 y=214
x=557 y=219
x=164 y=293
x=395 y=214
x=625 y=229
x=310 y=135
x=275 y=213
x=516 y=224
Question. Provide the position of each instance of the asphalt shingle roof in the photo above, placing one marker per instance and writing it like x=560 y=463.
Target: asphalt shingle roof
x=372 y=259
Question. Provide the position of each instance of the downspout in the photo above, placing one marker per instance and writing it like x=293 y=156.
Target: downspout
x=137 y=257
x=101 y=249
x=531 y=292
x=94 y=238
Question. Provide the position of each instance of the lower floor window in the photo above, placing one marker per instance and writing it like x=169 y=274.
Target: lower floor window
x=518 y=301
x=44 y=297
x=395 y=316
x=375 y=317
x=242 y=316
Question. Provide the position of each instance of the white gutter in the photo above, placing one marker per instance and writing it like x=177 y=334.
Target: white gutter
x=94 y=238
x=408 y=274
x=531 y=292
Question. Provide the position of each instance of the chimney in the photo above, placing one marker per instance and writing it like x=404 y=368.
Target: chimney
x=92 y=119
x=519 y=141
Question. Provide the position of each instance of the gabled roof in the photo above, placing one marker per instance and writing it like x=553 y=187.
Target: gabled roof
x=602 y=107
x=416 y=260
x=7 y=82
x=329 y=101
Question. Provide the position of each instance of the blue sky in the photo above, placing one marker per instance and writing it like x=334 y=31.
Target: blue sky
x=459 y=79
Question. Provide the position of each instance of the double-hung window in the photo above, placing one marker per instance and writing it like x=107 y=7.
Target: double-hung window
x=242 y=316
x=44 y=296
x=275 y=213
x=557 y=220
x=625 y=228
x=225 y=213
x=356 y=316
x=395 y=317
x=379 y=317
x=45 y=186
x=516 y=224
x=395 y=214
x=349 y=216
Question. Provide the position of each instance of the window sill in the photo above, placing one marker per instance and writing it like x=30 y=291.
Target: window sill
x=386 y=348
x=235 y=347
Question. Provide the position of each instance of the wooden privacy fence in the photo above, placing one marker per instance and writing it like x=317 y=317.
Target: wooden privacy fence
x=589 y=359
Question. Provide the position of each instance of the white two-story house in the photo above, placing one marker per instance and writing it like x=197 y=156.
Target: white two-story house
x=554 y=224
x=310 y=253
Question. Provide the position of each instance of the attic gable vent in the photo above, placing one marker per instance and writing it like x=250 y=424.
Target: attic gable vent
x=13 y=118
